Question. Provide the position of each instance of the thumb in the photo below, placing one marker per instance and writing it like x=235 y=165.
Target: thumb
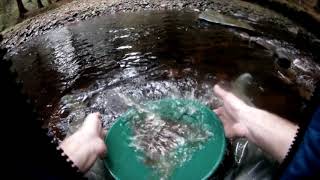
x=101 y=148
x=92 y=124
x=221 y=93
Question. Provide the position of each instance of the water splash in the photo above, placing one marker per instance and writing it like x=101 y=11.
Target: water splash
x=166 y=144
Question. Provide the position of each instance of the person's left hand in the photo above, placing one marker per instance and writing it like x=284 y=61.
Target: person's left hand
x=86 y=144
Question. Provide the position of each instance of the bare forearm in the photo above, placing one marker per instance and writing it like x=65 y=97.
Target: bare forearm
x=270 y=132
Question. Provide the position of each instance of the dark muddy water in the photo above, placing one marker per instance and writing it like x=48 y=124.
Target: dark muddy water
x=108 y=63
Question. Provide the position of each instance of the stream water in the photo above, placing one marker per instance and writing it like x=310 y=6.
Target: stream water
x=107 y=63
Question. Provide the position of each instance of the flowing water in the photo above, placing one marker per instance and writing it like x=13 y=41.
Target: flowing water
x=110 y=63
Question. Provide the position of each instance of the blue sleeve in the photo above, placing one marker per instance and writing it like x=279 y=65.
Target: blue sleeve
x=306 y=162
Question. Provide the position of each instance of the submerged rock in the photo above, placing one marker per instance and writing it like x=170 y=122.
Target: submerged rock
x=241 y=86
x=217 y=18
x=315 y=46
x=282 y=59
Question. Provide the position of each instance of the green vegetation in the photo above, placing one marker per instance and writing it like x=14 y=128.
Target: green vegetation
x=9 y=12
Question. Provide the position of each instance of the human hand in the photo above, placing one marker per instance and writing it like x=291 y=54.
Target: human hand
x=232 y=114
x=87 y=144
x=258 y=126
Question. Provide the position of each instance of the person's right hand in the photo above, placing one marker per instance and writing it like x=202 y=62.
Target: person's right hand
x=232 y=113
x=270 y=132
